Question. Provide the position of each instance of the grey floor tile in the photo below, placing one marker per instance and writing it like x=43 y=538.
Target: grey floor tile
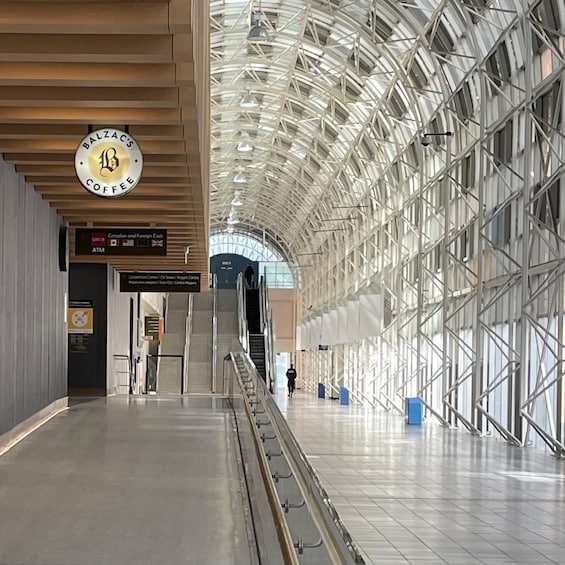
x=433 y=495
x=113 y=482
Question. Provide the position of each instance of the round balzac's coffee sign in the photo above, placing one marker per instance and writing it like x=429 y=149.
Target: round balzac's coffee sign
x=109 y=163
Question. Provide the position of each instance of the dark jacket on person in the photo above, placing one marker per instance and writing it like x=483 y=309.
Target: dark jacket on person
x=291 y=374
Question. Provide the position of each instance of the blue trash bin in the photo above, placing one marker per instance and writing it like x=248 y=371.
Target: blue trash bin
x=343 y=396
x=414 y=412
x=321 y=390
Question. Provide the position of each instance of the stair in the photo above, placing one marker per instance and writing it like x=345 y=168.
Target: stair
x=228 y=329
x=253 y=311
x=200 y=348
x=169 y=377
x=257 y=353
x=256 y=339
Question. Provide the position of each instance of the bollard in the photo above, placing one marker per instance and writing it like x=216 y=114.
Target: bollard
x=343 y=396
x=413 y=411
x=321 y=390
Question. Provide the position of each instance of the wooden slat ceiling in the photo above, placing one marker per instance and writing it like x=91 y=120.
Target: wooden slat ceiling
x=68 y=65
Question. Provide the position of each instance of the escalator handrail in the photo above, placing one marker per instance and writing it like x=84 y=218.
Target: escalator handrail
x=336 y=533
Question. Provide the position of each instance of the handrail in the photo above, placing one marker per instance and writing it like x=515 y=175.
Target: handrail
x=242 y=314
x=334 y=535
x=187 y=333
x=283 y=532
x=129 y=372
x=214 y=331
x=267 y=328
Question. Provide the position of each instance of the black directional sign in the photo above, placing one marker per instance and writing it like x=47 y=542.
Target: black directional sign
x=121 y=241
x=154 y=281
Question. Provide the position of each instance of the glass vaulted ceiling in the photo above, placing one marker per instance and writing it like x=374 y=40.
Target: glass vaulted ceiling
x=343 y=89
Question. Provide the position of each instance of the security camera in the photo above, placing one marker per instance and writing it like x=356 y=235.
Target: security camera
x=425 y=141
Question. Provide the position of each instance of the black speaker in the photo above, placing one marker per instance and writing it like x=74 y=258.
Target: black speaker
x=63 y=249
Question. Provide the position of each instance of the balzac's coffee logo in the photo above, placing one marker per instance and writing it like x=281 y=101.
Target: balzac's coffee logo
x=109 y=163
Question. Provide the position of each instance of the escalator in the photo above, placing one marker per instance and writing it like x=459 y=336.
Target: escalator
x=256 y=337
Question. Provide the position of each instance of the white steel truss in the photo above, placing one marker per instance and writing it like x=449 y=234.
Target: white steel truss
x=462 y=236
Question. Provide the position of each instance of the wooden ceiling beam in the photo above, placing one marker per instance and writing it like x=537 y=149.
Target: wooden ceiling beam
x=49 y=159
x=102 y=48
x=105 y=217
x=154 y=200
x=92 y=74
x=140 y=191
x=178 y=183
x=69 y=65
x=128 y=208
x=96 y=97
x=150 y=170
x=69 y=146
x=93 y=116
x=86 y=18
x=76 y=132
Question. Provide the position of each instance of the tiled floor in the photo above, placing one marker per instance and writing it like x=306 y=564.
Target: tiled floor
x=426 y=495
x=122 y=481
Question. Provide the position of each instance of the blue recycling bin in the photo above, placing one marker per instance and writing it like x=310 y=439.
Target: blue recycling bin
x=414 y=411
x=321 y=390
x=343 y=396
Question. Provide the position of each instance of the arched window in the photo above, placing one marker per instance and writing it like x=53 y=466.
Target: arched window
x=272 y=264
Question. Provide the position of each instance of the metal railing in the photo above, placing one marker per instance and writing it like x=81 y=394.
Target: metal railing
x=268 y=330
x=214 y=332
x=187 y=333
x=309 y=528
x=152 y=384
x=130 y=385
x=242 y=313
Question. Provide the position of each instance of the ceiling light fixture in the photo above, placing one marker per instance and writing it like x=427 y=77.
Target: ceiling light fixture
x=249 y=101
x=240 y=178
x=258 y=32
x=245 y=145
x=236 y=200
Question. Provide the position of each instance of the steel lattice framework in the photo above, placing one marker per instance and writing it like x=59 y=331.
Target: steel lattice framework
x=462 y=236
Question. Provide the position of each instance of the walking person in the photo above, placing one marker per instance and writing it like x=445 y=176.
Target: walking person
x=291 y=380
x=248 y=275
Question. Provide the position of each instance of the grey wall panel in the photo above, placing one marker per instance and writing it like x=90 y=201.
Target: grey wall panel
x=33 y=331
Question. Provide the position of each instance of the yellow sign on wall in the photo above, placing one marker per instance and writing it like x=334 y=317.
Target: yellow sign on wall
x=80 y=318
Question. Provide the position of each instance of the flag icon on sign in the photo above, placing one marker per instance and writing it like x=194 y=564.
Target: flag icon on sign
x=114 y=243
x=128 y=243
x=156 y=243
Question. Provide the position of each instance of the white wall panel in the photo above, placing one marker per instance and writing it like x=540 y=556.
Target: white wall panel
x=370 y=315
x=342 y=324
x=330 y=327
x=352 y=321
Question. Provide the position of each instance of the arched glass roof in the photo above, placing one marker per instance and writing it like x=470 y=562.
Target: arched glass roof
x=243 y=244
x=344 y=90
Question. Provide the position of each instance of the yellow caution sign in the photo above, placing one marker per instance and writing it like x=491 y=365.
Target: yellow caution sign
x=81 y=318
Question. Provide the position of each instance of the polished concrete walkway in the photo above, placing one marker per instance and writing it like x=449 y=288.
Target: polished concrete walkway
x=426 y=495
x=118 y=482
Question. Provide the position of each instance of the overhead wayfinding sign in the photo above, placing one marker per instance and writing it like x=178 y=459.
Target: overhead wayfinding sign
x=109 y=163
x=121 y=241
x=153 y=281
